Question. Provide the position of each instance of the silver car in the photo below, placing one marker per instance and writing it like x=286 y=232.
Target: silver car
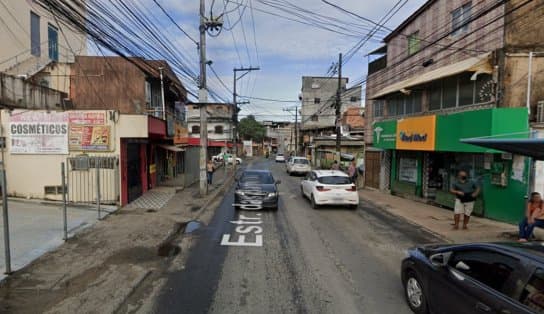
x=298 y=165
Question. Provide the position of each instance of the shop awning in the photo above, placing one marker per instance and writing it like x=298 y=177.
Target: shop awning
x=172 y=148
x=531 y=147
x=478 y=64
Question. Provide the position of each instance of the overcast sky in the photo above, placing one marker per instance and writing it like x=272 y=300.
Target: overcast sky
x=285 y=50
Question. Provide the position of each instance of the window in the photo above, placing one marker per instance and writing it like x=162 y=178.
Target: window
x=490 y=268
x=353 y=99
x=53 y=42
x=35 y=40
x=334 y=180
x=533 y=293
x=466 y=89
x=218 y=129
x=435 y=97
x=449 y=92
x=317 y=100
x=315 y=118
x=195 y=129
x=378 y=107
x=413 y=43
x=460 y=18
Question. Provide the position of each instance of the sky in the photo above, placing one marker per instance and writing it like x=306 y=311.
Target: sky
x=284 y=50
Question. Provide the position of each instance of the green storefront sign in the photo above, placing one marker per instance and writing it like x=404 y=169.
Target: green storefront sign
x=496 y=123
x=385 y=134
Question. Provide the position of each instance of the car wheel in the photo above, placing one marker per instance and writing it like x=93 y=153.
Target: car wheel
x=302 y=192
x=237 y=162
x=414 y=293
x=314 y=204
x=353 y=207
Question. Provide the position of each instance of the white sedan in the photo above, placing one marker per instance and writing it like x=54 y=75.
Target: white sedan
x=280 y=158
x=329 y=187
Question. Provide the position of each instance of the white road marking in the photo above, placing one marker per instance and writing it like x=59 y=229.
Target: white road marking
x=246 y=225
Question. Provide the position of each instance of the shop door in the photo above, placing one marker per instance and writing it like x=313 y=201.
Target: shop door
x=372 y=169
x=134 y=178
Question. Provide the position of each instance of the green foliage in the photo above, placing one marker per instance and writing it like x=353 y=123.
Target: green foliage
x=251 y=129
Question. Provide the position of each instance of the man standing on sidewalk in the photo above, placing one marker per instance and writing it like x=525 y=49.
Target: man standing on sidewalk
x=466 y=192
x=210 y=167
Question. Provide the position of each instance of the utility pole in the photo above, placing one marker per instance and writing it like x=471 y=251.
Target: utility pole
x=235 y=103
x=338 y=106
x=162 y=95
x=203 y=99
x=290 y=110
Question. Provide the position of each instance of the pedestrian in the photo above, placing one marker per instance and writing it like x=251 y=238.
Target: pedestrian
x=352 y=172
x=210 y=169
x=335 y=165
x=466 y=191
x=534 y=217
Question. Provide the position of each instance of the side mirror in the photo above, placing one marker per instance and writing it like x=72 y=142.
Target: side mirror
x=440 y=259
x=278 y=181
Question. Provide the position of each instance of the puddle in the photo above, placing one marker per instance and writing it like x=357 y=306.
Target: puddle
x=195 y=208
x=192 y=226
x=151 y=211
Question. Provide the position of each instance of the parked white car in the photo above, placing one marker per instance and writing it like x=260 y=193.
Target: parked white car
x=238 y=160
x=280 y=158
x=298 y=165
x=219 y=158
x=329 y=187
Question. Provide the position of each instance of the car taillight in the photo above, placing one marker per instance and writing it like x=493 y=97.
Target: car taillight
x=322 y=189
x=352 y=189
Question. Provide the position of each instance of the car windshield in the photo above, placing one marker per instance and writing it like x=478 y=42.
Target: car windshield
x=334 y=180
x=280 y=154
x=301 y=161
x=255 y=177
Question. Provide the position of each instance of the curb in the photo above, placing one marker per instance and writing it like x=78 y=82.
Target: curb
x=131 y=290
x=408 y=221
x=215 y=195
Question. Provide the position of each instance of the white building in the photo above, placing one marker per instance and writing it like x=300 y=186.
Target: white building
x=219 y=119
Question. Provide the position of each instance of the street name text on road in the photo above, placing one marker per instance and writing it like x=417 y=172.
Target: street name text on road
x=245 y=225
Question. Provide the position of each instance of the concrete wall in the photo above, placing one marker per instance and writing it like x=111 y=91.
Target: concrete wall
x=28 y=174
x=15 y=36
x=325 y=89
x=192 y=167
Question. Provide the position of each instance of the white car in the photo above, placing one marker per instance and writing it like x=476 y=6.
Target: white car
x=298 y=165
x=238 y=160
x=280 y=158
x=329 y=187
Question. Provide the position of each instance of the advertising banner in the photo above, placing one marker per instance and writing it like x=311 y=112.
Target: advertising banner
x=182 y=134
x=38 y=132
x=89 y=138
x=416 y=133
x=87 y=118
x=385 y=134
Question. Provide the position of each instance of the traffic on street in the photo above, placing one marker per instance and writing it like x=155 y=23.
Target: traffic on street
x=297 y=259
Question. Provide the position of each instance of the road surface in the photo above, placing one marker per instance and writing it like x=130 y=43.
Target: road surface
x=295 y=260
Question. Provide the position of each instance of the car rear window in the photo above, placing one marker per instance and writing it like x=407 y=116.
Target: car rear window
x=301 y=161
x=332 y=180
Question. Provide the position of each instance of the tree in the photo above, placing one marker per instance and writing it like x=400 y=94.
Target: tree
x=251 y=129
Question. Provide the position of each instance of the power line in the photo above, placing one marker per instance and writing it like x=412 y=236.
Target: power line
x=174 y=22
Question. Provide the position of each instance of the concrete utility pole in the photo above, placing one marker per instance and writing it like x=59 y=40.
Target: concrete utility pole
x=162 y=95
x=338 y=106
x=203 y=99
x=296 y=126
x=235 y=109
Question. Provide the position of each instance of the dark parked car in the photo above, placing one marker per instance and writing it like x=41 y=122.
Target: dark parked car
x=256 y=189
x=475 y=278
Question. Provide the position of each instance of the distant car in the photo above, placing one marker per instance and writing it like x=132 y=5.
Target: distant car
x=256 y=189
x=298 y=165
x=329 y=187
x=280 y=158
x=238 y=160
x=475 y=278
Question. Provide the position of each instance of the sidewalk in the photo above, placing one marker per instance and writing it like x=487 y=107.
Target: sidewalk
x=438 y=220
x=36 y=228
x=115 y=265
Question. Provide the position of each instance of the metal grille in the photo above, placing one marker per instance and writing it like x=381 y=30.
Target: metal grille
x=386 y=166
x=93 y=179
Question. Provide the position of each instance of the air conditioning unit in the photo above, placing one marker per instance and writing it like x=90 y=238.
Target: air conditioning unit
x=540 y=111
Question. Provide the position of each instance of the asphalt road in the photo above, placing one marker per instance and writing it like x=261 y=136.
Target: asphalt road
x=330 y=260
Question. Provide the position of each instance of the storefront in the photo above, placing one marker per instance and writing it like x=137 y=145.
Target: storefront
x=426 y=154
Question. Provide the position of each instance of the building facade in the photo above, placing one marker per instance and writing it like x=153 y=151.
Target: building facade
x=318 y=113
x=455 y=70
x=220 y=126
x=37 y=41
